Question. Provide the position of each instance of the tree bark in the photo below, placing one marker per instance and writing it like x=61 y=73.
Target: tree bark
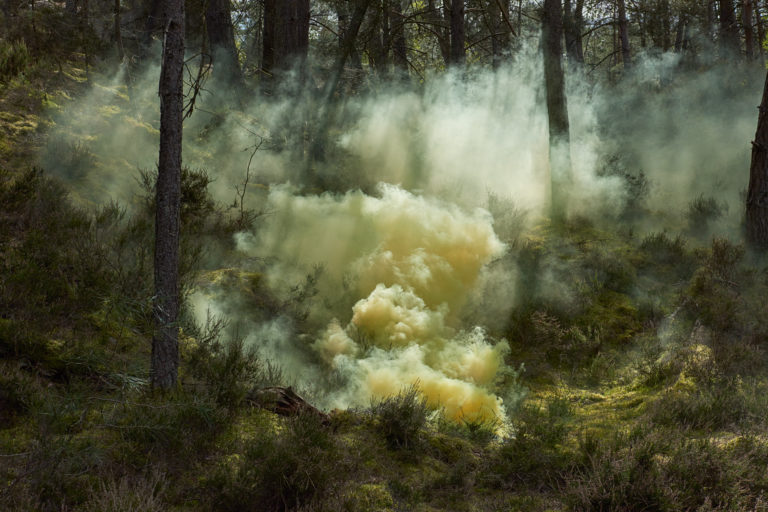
x=573 y=21
x=458 y=34
x=397 y=30
x=286 y=34
x=500 y=27
x=626 y=58
x=221 y=38
x=118 y=34
x=729 y=31
x=757 y=192
x=760 y=28
x=746 y=21
x=441 y=31
x=557 y=108
x=165 y=346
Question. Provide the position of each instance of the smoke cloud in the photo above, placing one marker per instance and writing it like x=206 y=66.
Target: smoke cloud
x=415 y=270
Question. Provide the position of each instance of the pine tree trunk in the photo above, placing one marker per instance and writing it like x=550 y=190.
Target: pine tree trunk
x=760 y=28
x=458 y=35
x=729 y=31
x=441 y=30
x=118 y=33
x=165 y=346
x=397 y=28
x=221 y=36
x=557 y=108
x=746 y=21
x=626 y=58
x=757 y=193
x=286 y=34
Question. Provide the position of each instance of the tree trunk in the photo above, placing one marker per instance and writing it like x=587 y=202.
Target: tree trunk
x=397 y=29
x=153 y=24
x=760 y=28
x=578 y=25
x=666 y=26
x=729 y=31
x=165 y=345
x=557 y=107
x=441 y=31
x=500 y=27
x=286 y=34
x=757 y=193
x=746 y=21
x=458 y=35
x=118 y=34
x=375 y=28
x=626 y=58
x=221 y=37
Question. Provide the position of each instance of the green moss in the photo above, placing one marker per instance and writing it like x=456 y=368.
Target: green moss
x=370 y=498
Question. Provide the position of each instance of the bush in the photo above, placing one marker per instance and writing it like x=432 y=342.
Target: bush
x=14 y=58
x=401 y=418
x=535 y=456
x=129 y=494
x=227 y=369
x=295 y=466
x=183 y=427
x=702 y=211
x=643 y=471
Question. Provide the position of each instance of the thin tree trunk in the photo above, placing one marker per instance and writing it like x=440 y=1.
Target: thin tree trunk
x=729 y=31
x=757 y=193
x=165 y=346
x=666 y=26
x=397 y=28
x=441 y=31
x=557 y=108
x=760 y=28
x=498 y=18
x=118 y=34
x=458 y=36
x=626 y=58
x=317 y=148
x=746 y=21
x=578 y=25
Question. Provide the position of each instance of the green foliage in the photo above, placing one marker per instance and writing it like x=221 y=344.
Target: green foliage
x=68 y=158
x=401 y=418
x=55 y=269
x=646 y=471
x=716 y=404
x=535 y=456
x=702 y=211
x=227 y=369
x=662 y=249
x=714 y=293
x=182 y=427
x=129 y=494
x=14 y=58
x=297 y=465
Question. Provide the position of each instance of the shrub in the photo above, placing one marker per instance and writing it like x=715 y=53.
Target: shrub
x=401 y=418
x=129 y=494
x=643 y=471
x=535 y=456
x=660 y=248
x=227 y=369
x=14 y=58
x=281 y=469
x=702 y=211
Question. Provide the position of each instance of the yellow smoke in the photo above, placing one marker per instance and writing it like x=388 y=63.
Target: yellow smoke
x=413 y=261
